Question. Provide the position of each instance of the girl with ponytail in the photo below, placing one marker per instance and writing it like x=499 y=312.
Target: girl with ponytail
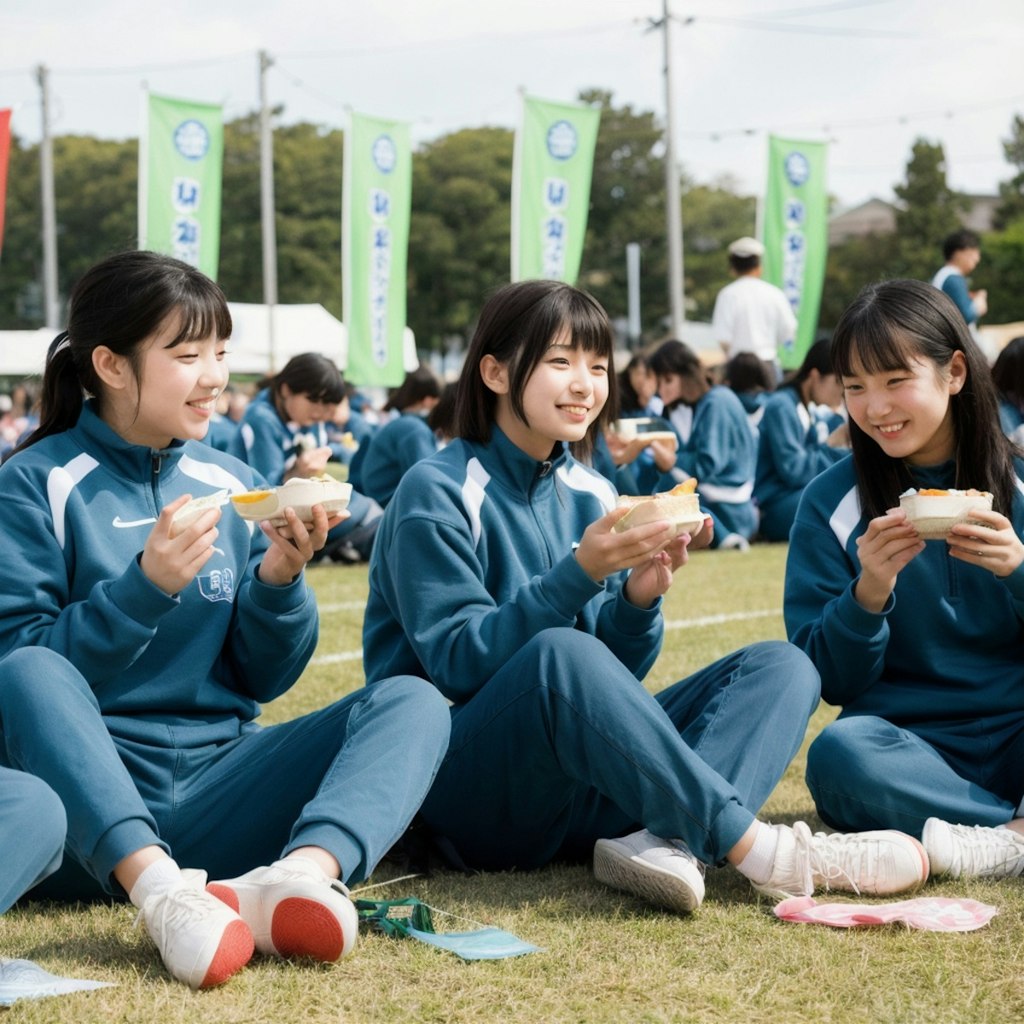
x=137 y=651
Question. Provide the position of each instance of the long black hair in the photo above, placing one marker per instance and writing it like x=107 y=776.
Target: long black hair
x=516 y=327
x=818 y=357
x=118 y=304
x=889 y=326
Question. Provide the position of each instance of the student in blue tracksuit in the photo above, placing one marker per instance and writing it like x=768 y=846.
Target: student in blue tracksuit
x=283 y=434
x=796 y=440
x=919 y=642
x=753 y=384
x=719 y=451
x=498 y=576
x=32 y=832
x=404 y=440
x=138 y=651
x=1008 y=375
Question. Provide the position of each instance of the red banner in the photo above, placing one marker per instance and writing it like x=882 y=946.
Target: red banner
x=5 y=148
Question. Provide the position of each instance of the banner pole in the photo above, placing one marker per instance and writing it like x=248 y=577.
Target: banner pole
x=673 y=199
x=50 y=302
x=269 y=230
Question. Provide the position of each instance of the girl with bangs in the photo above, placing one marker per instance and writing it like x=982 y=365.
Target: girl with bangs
x=919 y=643
x=138 y=651
x=499 y=577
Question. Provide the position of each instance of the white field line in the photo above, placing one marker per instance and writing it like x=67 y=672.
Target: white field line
x=705 y=620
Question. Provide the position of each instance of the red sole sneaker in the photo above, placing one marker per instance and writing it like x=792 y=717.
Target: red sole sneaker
x=305 y=928
x=233 y=953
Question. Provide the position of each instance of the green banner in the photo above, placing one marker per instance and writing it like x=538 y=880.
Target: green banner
x=180 y=158
x=551 y=172
x=376 y=199
x=796 y=234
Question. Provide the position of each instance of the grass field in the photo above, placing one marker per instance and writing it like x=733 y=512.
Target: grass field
x=607 y=957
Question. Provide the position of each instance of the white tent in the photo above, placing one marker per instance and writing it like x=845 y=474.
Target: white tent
x=304 y=327
x=23 y=353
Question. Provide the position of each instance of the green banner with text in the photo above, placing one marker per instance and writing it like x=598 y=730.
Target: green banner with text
x=376 y=200
x=551 y=171
x=180 y=162
x=796 y=234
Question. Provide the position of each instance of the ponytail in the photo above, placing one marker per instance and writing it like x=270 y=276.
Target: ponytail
x=60 y=403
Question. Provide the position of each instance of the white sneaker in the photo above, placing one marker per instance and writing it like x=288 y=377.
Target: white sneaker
x=862 y=862
x=973 y=851
x=293 y=912
x=662 y=871
x=201 y=941
x=735 y=542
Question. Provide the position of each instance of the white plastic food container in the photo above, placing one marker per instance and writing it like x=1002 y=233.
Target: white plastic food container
x=935 y=515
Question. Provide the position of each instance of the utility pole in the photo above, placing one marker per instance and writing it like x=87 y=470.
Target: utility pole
x=673 y=212
x=51 y=309
x=269 y=231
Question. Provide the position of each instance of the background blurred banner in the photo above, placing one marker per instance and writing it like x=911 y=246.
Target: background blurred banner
x=181 y=151
x=5 y=150
x=796 y=233
x=375 y=207
x=551 y=170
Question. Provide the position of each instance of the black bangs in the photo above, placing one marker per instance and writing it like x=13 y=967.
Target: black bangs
x=588 y=324
x=203 y=314
x=875 y=349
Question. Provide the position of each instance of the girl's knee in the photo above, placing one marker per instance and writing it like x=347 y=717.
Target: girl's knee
x=418 y=699
x=791 y=668
x=35 y=674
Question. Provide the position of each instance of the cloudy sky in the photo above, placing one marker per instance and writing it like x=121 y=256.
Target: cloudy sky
x=868 y=75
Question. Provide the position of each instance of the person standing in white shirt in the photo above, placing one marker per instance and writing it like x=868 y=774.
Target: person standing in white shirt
x=750 y=314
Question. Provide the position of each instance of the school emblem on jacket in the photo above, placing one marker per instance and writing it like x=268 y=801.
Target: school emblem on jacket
x=219 y=585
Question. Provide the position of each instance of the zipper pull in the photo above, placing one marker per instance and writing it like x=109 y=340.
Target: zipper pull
x=545 y=468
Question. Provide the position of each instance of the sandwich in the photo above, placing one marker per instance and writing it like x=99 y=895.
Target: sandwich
x=192 y=510
x=680 y=507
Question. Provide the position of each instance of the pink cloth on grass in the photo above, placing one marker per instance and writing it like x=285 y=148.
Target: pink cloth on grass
x=933 y=914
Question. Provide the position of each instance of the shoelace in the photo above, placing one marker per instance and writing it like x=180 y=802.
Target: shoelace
x=184 y=904
x=982 y=850
x=681 y=849
x=820 y=853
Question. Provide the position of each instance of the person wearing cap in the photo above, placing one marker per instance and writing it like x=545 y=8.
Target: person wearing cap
x=750 y=314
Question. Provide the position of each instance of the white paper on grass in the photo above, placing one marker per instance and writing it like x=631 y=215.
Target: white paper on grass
x=22 y=979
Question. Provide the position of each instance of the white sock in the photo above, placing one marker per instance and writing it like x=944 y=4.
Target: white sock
x=157 y=877
x=757 y=865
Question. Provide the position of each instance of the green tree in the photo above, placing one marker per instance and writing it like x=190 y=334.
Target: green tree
x=1012 y=192
x=459 y=232
x=307 y=222
x=930 y=210
x=627 y=204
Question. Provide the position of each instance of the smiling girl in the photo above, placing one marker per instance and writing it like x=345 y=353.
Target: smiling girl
x=139 y=651
x=918 y=642
x=498 y=575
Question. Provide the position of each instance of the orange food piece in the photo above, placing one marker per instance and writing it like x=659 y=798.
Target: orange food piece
x=931 y=492
x=686 y=487
x=250 y=497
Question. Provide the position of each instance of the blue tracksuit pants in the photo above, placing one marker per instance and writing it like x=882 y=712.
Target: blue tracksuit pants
x=347 y=778
x=564 y=746
x=32 y=830
x=866 y=773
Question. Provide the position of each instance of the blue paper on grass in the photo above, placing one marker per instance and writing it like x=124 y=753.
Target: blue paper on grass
x=22 y=979
x=410 y=918
x=485 y=944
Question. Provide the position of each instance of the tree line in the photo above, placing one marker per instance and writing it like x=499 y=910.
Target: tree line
x=459 y=234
